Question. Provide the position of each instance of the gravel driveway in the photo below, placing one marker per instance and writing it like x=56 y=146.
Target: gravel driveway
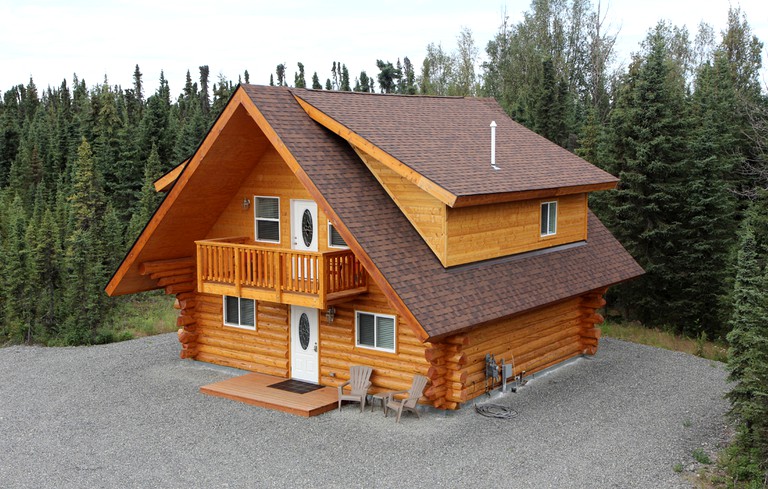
x=130 y=415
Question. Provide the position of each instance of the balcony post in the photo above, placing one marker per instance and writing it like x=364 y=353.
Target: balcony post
x=322 y=275
x=199 y=268
x=278 y=276
x=238 y=281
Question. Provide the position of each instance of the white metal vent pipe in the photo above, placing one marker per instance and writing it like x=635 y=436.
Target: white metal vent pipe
x=493 y=145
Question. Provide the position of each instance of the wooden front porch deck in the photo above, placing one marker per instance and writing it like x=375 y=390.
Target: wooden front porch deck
x=253 y=388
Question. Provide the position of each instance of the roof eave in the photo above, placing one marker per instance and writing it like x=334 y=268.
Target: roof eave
x=497 y=198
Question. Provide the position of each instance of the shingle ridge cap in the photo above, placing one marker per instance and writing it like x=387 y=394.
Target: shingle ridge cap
x=403 y=95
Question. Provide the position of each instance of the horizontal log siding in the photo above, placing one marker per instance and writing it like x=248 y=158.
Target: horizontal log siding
x=264 y=350
x=391 y=371
x=538 y=339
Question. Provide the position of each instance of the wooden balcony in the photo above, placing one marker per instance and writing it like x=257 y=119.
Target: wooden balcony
x=236 y=267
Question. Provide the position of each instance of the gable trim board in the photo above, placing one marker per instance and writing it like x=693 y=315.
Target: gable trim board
x=165 y=182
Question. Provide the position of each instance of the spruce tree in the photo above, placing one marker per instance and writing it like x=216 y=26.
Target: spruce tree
x=13 y=263
x=316 y=82
x=408 y=81
x=748 y=352
x=345 y=87
x=708 y=221
x=44 y=284
x=363 y=83
x=205 y=96
x=148 y=200
x=648 y=138
x=10 y=134
x=83 y=269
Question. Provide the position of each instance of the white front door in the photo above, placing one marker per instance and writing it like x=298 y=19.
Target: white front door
x=304 y=341
x=304 y=225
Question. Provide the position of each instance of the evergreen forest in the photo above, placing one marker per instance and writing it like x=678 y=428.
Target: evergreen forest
x=684 y=124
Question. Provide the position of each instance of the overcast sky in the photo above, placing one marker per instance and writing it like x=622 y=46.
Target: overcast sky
x=52 y=39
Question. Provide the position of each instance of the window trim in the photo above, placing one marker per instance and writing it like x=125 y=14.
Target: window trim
x=237 y=324
x=330 y=244
x=376 y=315
x=551 y=230
x=256 y=219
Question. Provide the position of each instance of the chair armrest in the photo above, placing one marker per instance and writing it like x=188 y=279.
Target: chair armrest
x=341 y=386
x=391 y=395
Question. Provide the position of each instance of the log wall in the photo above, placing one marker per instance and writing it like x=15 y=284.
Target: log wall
x=265 y=350
x=391 y=371
x=536 y=340
x=455 y=365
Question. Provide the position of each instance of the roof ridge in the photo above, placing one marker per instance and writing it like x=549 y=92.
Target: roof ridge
x=404 y=95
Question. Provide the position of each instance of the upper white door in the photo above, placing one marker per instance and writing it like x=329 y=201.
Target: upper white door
x=304 y=339
x=304 y=225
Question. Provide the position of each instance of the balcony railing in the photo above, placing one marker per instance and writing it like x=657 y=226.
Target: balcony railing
x=233 y=266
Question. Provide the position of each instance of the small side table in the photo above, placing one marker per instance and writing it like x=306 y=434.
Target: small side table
x=382 y=397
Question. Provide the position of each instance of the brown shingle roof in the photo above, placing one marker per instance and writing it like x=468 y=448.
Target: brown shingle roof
x=442 y=300
x=447 y=140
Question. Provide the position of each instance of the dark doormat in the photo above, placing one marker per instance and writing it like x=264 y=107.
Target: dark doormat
x=295 y=386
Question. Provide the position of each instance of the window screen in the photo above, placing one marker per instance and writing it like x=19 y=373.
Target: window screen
x=548 y=218
x=239 y=312
x=376 y=331
x=267 y=211
x=334 y=238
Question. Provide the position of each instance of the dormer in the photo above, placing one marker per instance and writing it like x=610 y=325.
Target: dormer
x=432 y=155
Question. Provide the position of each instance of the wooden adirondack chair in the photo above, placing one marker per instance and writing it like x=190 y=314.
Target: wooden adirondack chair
x=409 y=403
x=359 y=382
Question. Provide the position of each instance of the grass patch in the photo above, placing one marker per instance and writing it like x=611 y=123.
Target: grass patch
x=142 y=315
x=638 y=333
x=700 y=456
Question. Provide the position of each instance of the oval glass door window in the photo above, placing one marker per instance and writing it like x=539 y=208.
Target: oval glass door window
x=304 y=331
x=307 y=229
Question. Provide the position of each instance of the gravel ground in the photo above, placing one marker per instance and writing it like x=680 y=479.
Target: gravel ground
x=130 y=415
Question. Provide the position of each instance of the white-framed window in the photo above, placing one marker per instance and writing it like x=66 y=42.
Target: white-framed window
x=267 y=215
x=376 y=331
x=239 y=312
x=548 y=218
x=334 y=238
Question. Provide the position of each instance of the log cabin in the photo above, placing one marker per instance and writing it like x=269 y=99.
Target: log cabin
x=314 y=230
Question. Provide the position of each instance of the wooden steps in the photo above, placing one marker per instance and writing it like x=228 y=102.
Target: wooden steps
x=253 y=388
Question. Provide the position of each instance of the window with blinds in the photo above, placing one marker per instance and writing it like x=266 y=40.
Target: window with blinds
x=334 y=238
x=239 y=312
x=548 y=218
x=375 y=331
x=267 y=212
